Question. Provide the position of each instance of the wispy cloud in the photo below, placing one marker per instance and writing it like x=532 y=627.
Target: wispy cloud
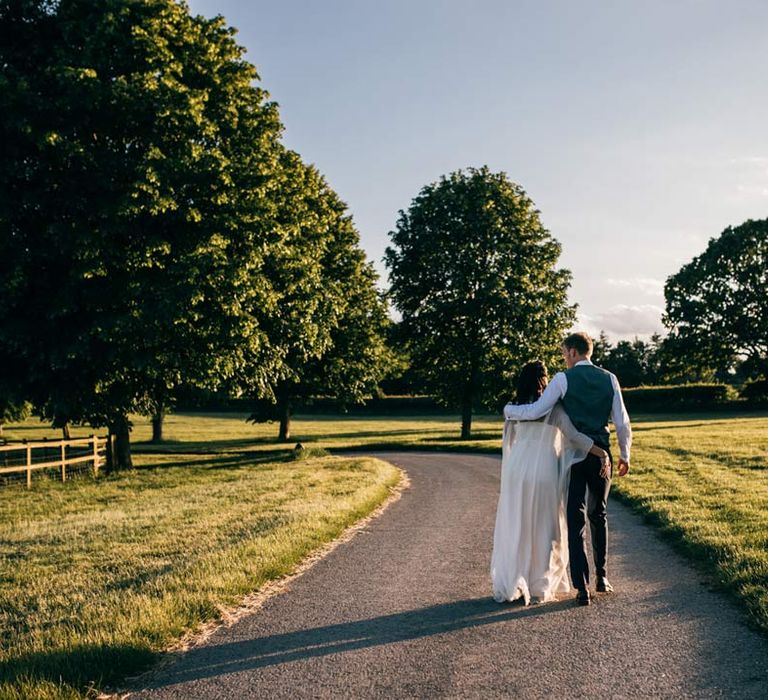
x=645 y=285
x=623 y=321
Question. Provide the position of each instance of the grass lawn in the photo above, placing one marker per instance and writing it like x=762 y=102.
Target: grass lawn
x=217 y=432
x=95 y=577
x=704 y=483
x=98 y=576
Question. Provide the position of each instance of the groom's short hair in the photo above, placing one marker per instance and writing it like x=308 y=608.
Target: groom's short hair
x=580 y=342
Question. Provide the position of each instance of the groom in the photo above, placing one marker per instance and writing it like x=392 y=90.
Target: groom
x=590 y=396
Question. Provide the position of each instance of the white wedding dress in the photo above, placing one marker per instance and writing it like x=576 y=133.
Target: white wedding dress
x=530 y=542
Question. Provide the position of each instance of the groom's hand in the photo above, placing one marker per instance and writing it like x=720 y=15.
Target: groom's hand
x=623 y=467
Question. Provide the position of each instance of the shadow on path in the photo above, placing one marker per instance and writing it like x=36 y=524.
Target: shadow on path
x=215 y=660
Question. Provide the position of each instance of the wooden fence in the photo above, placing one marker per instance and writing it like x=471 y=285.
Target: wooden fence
x=32 y=456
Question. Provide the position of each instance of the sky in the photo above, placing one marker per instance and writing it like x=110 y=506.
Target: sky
x=639 y=129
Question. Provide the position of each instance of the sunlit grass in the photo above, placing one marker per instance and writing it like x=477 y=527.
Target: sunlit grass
x=97 y=576
x=704 y=483
x=213 y=432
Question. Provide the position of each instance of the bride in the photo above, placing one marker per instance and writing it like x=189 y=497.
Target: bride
x=530 y=542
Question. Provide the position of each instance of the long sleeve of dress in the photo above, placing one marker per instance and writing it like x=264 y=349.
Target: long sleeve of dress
x=508 y=438
x=559 y=418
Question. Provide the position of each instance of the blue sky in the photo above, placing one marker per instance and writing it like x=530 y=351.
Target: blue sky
x=639 y=129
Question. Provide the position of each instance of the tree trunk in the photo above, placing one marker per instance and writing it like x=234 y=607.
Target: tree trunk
x=157 y=426
x=65 y=431
x=121 y=429
x=467 y=400
x=285 y=420
x=110 y=456
x=466 y=418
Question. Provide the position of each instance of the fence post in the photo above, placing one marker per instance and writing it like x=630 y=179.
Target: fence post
x=63 y=461
x=95 y=455
x=29 y=465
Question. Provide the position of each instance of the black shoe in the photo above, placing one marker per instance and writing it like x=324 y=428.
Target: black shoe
x=583 y=598
x=603 y=585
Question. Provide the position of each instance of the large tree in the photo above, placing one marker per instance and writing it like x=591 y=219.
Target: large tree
x=136 y=208
x=717 y=304
x=474 y=274
x=331 y=317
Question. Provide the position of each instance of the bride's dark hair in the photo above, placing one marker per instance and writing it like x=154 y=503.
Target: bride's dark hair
x=531 y=382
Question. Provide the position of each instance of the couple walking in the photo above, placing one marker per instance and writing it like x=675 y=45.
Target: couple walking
x=556 y=473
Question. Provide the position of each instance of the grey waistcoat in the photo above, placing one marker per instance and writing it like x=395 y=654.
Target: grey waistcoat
x=589 y=400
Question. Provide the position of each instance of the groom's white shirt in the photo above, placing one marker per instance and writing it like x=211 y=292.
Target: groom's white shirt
x=555 y=391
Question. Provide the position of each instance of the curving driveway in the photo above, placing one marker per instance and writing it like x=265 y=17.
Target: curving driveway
x=403 y=610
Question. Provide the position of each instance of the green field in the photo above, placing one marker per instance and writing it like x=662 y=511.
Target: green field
x=97 y=577
x=216 y=432
x=704 y=483
x=100 y=575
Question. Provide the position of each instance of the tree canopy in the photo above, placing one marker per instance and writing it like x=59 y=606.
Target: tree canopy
x=717 y=304
x=155 y=232
x=330 y=317
x=134 y=207
x=474 y=274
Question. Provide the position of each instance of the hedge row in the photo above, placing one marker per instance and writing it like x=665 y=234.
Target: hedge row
x=644 y=399
x=755 y=391
x=386 y=405
x=683 y=397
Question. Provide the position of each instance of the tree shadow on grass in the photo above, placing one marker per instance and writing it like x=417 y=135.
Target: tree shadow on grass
x=703 y=418
x=215 y=660
x=214 y=447
x=81 y=667
x=201 y=446
x=363 y=434
x=449 y=447
x=476 y=437
x=227 y=460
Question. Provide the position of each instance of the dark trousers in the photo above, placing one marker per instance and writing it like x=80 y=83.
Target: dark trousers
x=587 y=498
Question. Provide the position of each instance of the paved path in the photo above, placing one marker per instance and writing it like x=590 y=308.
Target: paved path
x=404 y=610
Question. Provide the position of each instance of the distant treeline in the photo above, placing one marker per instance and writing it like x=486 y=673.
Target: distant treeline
x=644 y=399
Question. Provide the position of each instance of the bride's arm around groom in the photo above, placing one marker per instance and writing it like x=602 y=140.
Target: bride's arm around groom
x=558 y=389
